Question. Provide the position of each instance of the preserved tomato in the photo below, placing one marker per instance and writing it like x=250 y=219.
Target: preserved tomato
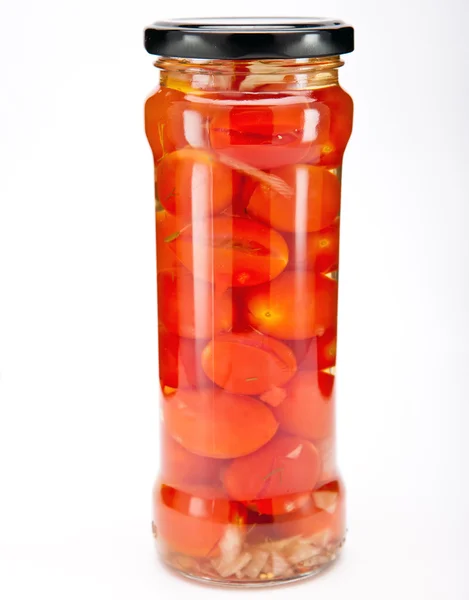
x=295 y=306
x=314 y=204
x=193 y=178
x=232 y=250
x=270 y=131
x=248 y=363
x=308 y=409
x=286 y=465
x=190 y=307
x=216 y=424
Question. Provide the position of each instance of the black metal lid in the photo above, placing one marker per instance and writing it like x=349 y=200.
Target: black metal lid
x=245 y=38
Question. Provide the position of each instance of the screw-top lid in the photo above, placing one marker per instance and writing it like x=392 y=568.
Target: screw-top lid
x=246 y=38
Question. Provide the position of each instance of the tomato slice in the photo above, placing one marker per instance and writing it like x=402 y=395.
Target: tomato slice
x=294 y=306
x=317 y=251
x=157 y=125
x=248 y=363
x=216 y=424
x=234 y=251
x=190 y=178
x=190 y=307
x=271 y=131
x=286 y=465
x=308 y=409
x=315 y=203
x=194 y=523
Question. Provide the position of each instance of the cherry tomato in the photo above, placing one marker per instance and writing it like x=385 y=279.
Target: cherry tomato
x=189 y=307
x=180 y=362
x=317 y=251
x=269 y=132
x=295 y=306
x=279 y=505
x=181 y=468
x=216 y=424
x=193 y=178
x=314 y=205
x=308 y=409
x=317 y=353
x=234 y=251
x=157 y=125
x=340 y=105
x=166 y=225
x=248 y=363
x=194 y=523
x=286 y=465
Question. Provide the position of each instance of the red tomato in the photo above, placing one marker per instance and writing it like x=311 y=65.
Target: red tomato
x=194 y=523
x=317 y=251
x=180 y=362
x=279 y=505
x=166 y=225
x=216 y=424
x=340 y=105
x=314 y=205
x=270 y=131
x=193 y=178
x=234 y=251
x=182 y=469
x=189 y=307
x=295 y=306
x=317 y=353
x=248 y=363
x=286 y=465
x=157 y=126
x=308 y=409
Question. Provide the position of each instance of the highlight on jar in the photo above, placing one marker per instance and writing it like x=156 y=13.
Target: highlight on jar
x=248 y=163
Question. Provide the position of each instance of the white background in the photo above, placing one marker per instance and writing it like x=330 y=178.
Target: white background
x=78 y=382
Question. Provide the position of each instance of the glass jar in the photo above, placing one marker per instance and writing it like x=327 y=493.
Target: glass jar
x=248 y=127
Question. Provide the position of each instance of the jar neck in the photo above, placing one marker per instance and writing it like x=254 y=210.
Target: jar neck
x=249 y=75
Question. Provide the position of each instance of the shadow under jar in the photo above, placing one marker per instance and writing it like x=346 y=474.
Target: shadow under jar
x=248 y=127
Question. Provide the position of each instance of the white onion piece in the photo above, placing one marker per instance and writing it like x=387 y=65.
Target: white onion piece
x=279 y=545
x=231 y=543
x=279 y=564
x=326 y=500
x=301 y=552
x=258 y=561
x=251 y=82
x=320 y=539
x=226 y=569
x=272 y=181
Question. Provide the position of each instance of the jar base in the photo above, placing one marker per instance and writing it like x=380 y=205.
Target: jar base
x=206 y=580
x=192 y=569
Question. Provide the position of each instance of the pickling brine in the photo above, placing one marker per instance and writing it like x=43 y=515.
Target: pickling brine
x=248 y=157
